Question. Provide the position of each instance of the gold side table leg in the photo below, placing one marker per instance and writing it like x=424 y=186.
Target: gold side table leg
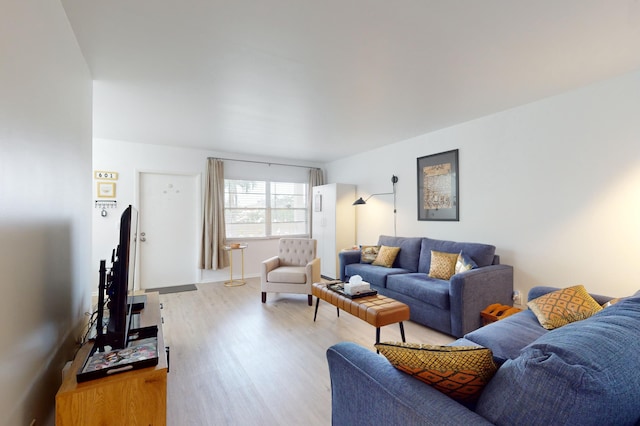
x=232 y=282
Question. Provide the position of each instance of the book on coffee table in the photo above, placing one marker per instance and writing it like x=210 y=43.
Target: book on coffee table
x=339 y=288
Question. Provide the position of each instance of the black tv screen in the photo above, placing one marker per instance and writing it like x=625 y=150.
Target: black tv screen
x=122 y=280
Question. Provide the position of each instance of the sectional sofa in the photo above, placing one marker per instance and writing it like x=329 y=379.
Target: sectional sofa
x=451 y=306
x=583 y=373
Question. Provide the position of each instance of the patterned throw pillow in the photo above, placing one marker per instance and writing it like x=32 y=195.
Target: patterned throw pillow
x=386 y=256
x=464 y=262
x=611 y=302
x=443 y=265
x=564 y=306
x=368 y=253
x=461 y=372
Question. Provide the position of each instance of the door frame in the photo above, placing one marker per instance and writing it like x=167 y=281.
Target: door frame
x=136 y=196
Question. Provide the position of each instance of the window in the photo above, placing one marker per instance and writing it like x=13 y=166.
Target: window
x=255 y=209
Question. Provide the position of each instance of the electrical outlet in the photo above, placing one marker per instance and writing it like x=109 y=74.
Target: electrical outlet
x=517 y=298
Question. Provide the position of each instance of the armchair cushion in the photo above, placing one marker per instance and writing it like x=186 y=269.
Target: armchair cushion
x=288 y=274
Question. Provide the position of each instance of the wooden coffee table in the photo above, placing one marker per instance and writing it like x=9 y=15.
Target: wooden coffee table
x=376 y=310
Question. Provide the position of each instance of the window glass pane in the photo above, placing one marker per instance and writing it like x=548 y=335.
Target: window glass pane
x=263 y=209
x=283 y=229
x=244 y=193
x=288 y=195
x=244 y=223
x=246 y=230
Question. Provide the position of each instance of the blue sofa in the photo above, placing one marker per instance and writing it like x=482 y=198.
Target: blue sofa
x=452 y=307
x=584 y=373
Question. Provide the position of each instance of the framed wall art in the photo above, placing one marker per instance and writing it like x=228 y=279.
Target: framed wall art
x=438 y=187
x=106 y=190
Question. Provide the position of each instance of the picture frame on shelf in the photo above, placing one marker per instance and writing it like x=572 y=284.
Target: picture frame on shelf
x=438 y=185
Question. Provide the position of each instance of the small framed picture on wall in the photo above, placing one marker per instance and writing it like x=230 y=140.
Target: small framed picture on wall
x=106 y=190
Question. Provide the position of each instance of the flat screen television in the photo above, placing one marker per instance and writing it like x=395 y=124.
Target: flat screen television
x=120 y=346
x=119 y=285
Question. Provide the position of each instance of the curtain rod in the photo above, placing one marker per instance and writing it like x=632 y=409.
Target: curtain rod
x=265 y=162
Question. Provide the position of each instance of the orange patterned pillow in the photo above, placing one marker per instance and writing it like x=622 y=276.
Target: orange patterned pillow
x=461 y=372
x=564 y=306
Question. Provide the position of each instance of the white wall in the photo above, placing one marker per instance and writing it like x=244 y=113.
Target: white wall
x=554 y=185
x=45 y=184
x=129 y=158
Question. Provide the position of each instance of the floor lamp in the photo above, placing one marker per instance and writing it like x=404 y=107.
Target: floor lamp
x=394 y=180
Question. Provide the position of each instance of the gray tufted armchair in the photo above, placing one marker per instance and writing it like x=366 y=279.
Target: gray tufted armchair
x=293 y=270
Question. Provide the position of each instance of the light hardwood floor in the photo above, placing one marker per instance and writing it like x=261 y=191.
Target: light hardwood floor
x=236 y=361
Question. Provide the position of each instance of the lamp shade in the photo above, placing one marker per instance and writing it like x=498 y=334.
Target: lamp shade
x=359 y=201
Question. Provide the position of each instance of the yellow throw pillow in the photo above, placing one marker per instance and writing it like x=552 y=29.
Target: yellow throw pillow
x=386 y=256
x=461 y=372
x=443 y=265
x=564 y=306
x=368 y=253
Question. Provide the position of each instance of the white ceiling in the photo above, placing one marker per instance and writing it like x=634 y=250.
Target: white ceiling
x=320 y=79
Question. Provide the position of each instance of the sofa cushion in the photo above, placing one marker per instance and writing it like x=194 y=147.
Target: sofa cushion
x=507 y=337
x=461 y=372
x=374 y=275
x=582 y=373
x=409 y=251
x=564 y=306
x=443 y=265
x=482 y=254
x=386 y=256
x=368 y=253
x=421 y=287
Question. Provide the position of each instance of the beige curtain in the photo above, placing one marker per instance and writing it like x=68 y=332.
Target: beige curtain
x=316 y=177
x=212 y=253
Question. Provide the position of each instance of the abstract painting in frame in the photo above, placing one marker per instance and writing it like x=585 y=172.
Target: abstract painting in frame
x=438 y=187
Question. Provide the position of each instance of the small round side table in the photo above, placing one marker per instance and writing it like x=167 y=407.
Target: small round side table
x=235 y=282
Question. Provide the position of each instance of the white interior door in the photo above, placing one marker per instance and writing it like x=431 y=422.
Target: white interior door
x=169 y=212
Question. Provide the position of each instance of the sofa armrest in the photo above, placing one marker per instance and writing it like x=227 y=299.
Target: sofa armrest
x=347 y=257
x=367 y=390
x=472 y=291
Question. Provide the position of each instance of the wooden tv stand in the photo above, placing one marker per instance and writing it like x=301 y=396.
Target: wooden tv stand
x=137 y=397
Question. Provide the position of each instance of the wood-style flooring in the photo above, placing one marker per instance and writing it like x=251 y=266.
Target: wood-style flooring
x=236 y=361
